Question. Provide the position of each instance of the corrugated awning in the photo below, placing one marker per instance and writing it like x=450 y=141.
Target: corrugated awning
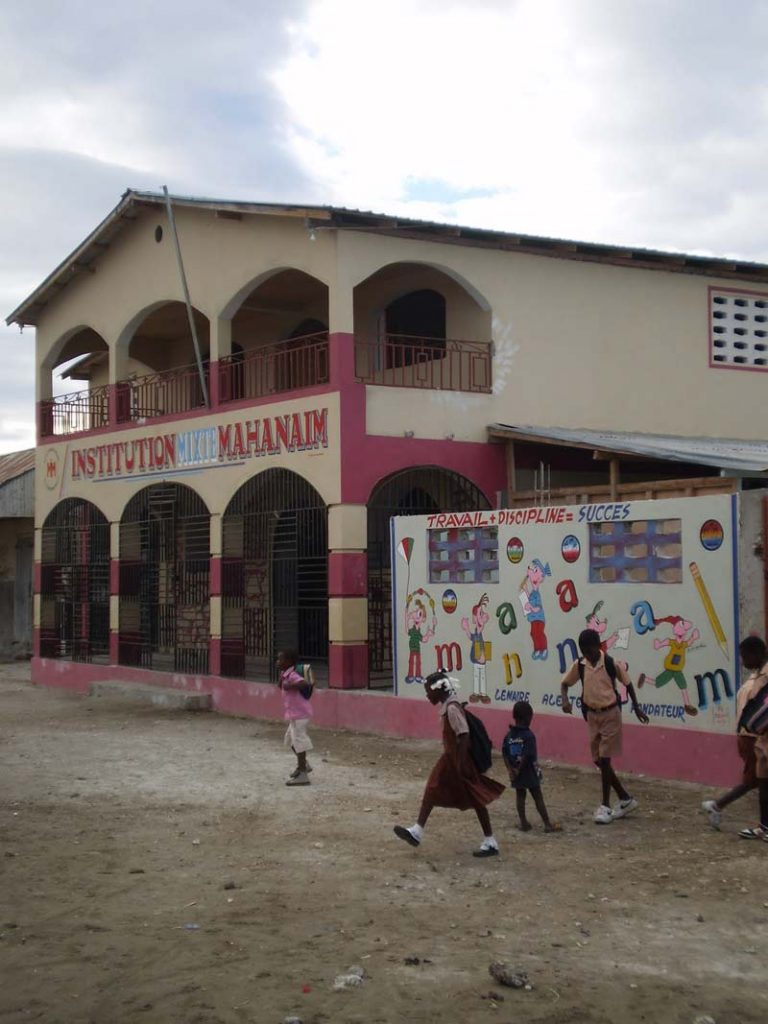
x=734 y=455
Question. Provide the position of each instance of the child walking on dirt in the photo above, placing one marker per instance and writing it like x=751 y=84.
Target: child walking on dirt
x=602 y=710
x=521 y=758
x=454 y=781
x=753 y=657
x=297 y=711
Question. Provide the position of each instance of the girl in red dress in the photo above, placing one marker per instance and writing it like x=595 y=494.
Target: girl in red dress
x=455 y=780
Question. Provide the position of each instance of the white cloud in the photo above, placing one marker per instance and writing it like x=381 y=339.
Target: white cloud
x=596 y=119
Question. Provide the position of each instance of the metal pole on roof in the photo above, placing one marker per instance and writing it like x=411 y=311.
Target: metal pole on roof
x=188 y=303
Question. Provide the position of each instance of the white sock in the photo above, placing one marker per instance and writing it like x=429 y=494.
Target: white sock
x=489 y=843
x=417 y=832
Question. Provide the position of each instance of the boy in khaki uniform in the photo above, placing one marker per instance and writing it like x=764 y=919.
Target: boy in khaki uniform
x=603 y=715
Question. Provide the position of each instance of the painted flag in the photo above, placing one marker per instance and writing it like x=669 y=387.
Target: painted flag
x=405 y=549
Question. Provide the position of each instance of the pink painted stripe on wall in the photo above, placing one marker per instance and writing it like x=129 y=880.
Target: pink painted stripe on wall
x=368 y=459
x=347 y=574
x=665 y=753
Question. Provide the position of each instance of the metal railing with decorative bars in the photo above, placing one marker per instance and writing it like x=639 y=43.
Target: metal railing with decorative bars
x=81 y=410
x=282 y=366
x=436 y=364
x=160 y=394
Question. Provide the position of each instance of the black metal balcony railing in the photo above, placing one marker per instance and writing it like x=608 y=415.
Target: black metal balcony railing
x=436 y=364
x=283 y=366
x=160 y=394
x=81 y=410
x=397 y=360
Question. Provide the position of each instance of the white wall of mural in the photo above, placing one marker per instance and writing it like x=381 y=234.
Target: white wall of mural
x=499 y=598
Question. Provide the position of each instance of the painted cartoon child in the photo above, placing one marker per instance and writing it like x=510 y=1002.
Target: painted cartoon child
x=479 y=649
x=418 y=633
x=530 y=598
x=683 y=637
x=600 y=626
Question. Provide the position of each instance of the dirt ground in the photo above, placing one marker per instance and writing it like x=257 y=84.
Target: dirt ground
x=156 y=869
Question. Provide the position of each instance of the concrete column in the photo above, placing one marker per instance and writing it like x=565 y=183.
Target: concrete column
x=220 y=346
x=215 y=611
x=114 y=593
x=348 y=596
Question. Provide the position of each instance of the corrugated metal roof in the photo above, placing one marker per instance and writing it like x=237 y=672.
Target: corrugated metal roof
x=16 y=464
x=95 y=245
x=723 y=453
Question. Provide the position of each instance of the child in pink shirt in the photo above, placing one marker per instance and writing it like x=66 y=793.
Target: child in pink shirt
x=297 y=711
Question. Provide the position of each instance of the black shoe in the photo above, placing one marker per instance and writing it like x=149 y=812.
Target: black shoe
x=403 y=833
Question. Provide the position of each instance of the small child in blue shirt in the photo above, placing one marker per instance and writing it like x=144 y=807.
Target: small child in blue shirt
x=521 y=759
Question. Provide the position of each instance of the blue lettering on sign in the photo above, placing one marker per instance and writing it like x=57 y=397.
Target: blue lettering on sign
x=604 y=513
x=567 y=645
x=664 y=711
x=513 y=695
x=711 y=678
x=642 y=617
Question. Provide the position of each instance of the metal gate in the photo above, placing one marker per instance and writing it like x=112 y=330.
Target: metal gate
x=418 y=491
x=274 y=575
x=165 y=580
x=74 y=584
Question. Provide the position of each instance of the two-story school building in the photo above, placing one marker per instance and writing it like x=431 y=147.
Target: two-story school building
x=218 y=478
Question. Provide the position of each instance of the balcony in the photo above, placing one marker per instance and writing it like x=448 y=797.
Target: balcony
x=432 y=364
x=165 y=393
x=69 y=414
x=285 y=366
x=271 y=369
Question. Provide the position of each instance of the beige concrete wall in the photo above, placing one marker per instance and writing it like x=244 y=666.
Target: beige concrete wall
x=577 y=344
x=216 y=486
x=221 y=259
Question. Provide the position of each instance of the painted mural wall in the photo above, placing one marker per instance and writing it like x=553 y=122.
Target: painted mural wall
x=499 y=598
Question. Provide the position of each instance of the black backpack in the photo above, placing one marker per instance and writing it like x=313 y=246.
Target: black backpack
x=480 y=745
x=610 y=668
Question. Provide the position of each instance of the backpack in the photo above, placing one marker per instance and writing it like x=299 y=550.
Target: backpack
x=480 y=745
x=754 y=717
x=308 y=688
x=610 y=668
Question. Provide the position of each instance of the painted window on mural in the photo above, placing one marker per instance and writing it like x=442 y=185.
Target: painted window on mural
x=464 y=556
x=636 y=551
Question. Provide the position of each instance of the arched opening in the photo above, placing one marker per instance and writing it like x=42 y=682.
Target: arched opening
x=165 y=580
x=274 y=575
x=416 y=317
x=418 y=491
x=74 y=584
x=82 y=356
x=281 y=328
x=422 y=326
x=160 y=375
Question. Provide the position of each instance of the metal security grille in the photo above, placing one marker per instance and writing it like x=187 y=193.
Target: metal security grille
x=165 y=580
x=419 y=491
x=74 y=587
x=274 y=575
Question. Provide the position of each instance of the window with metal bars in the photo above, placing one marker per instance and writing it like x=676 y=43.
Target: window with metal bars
x=74 y=586
x=165 y=580
x=274 y=575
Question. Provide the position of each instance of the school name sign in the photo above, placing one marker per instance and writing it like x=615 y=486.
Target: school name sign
x=207 y=446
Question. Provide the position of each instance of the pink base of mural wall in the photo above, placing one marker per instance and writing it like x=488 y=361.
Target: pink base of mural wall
x=665 y=753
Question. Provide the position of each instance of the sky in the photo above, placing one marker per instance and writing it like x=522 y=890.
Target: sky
x=633 y=122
